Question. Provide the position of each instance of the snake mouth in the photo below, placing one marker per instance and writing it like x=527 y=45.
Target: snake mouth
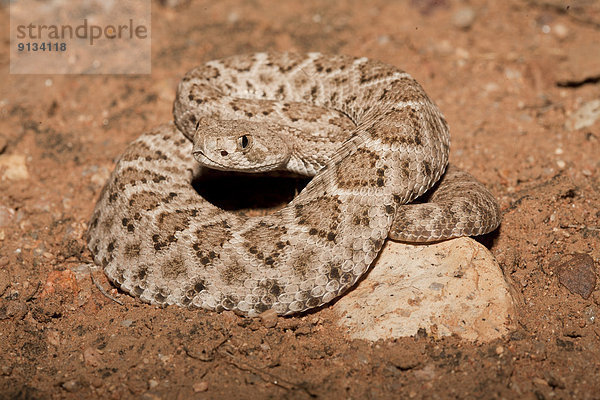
x=209 y=162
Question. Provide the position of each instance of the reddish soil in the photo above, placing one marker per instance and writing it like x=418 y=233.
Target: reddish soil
x=507 y=80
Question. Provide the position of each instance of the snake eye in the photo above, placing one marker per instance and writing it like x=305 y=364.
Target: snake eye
x=243 y=142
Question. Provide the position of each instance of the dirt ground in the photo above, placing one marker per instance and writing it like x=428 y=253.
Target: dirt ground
x=507 y=75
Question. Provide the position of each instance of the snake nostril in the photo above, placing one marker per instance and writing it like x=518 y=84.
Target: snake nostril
x=224 y=153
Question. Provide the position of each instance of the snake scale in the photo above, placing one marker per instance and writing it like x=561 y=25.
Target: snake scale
x=367 y=131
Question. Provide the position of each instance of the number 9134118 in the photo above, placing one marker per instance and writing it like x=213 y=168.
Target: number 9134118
x=43 y=46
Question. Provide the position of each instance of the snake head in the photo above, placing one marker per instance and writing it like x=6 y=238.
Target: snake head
x=235 y=145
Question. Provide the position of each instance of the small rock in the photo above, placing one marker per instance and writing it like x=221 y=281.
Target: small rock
x=578 y=274
x=100 y=177
x=402 y=362
x=451 y=287
x=126 y=323
x=268 y=318
x=6 y=370
x=4 y=281
x=152 y=383
x=464 y=18
x=92 y=357
x=71 y=385
x=12 y=309
x=60 y=280
x=96 y=382
x=427 y=373
x=53 y=338
x=586 y=115
x=554 y=380
x=13 y=167
x=560 y=31
x=200 y=386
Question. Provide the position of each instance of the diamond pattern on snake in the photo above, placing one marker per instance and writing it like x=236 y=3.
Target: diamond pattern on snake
x=366 y=131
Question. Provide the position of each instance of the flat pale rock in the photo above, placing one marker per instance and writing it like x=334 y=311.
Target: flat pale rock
x=452 y=287
x=13 y=167
x=586 y=115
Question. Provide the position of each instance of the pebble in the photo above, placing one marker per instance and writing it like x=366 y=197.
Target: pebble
x=14 y=167
x=4 y=281
x=577 y=274
x=71 y=385
x=200 y=386
x=13 y=310
x=427 y=373
x=268 y=318
x=6 y=370
x=560 y=31
x=61 y=280
x=126 y=323
x=92 y=356
x=464 y=18
x=586 y=115
x=452 y=287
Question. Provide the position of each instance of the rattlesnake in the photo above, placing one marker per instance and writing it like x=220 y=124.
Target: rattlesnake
x=381 y=143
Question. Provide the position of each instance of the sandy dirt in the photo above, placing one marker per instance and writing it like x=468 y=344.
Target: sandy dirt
x=507 y=75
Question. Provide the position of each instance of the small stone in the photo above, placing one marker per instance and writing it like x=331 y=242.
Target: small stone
x=561 y=164
x=4 y=281
x=96 y=382
x=200 y=386
x=427 y=373
x=13 y=167
x=60 y=280
x=13 y=309
x=71 y=386
x=539 y=381
x=100 y=177
x=265 y=346
x=152 y=383
x=586 y=115
x=53 y=338
x=402 y=362
x=92 y=357
x=383 y=39
x=452 y=287
x=6 y=216
x=560 y=31
x=499 y=350
x=6 y=370
x=464 y=18
x=444 y=47
x=554 y=380
x=268 y=318
x=578 y=274
x=126 y=323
